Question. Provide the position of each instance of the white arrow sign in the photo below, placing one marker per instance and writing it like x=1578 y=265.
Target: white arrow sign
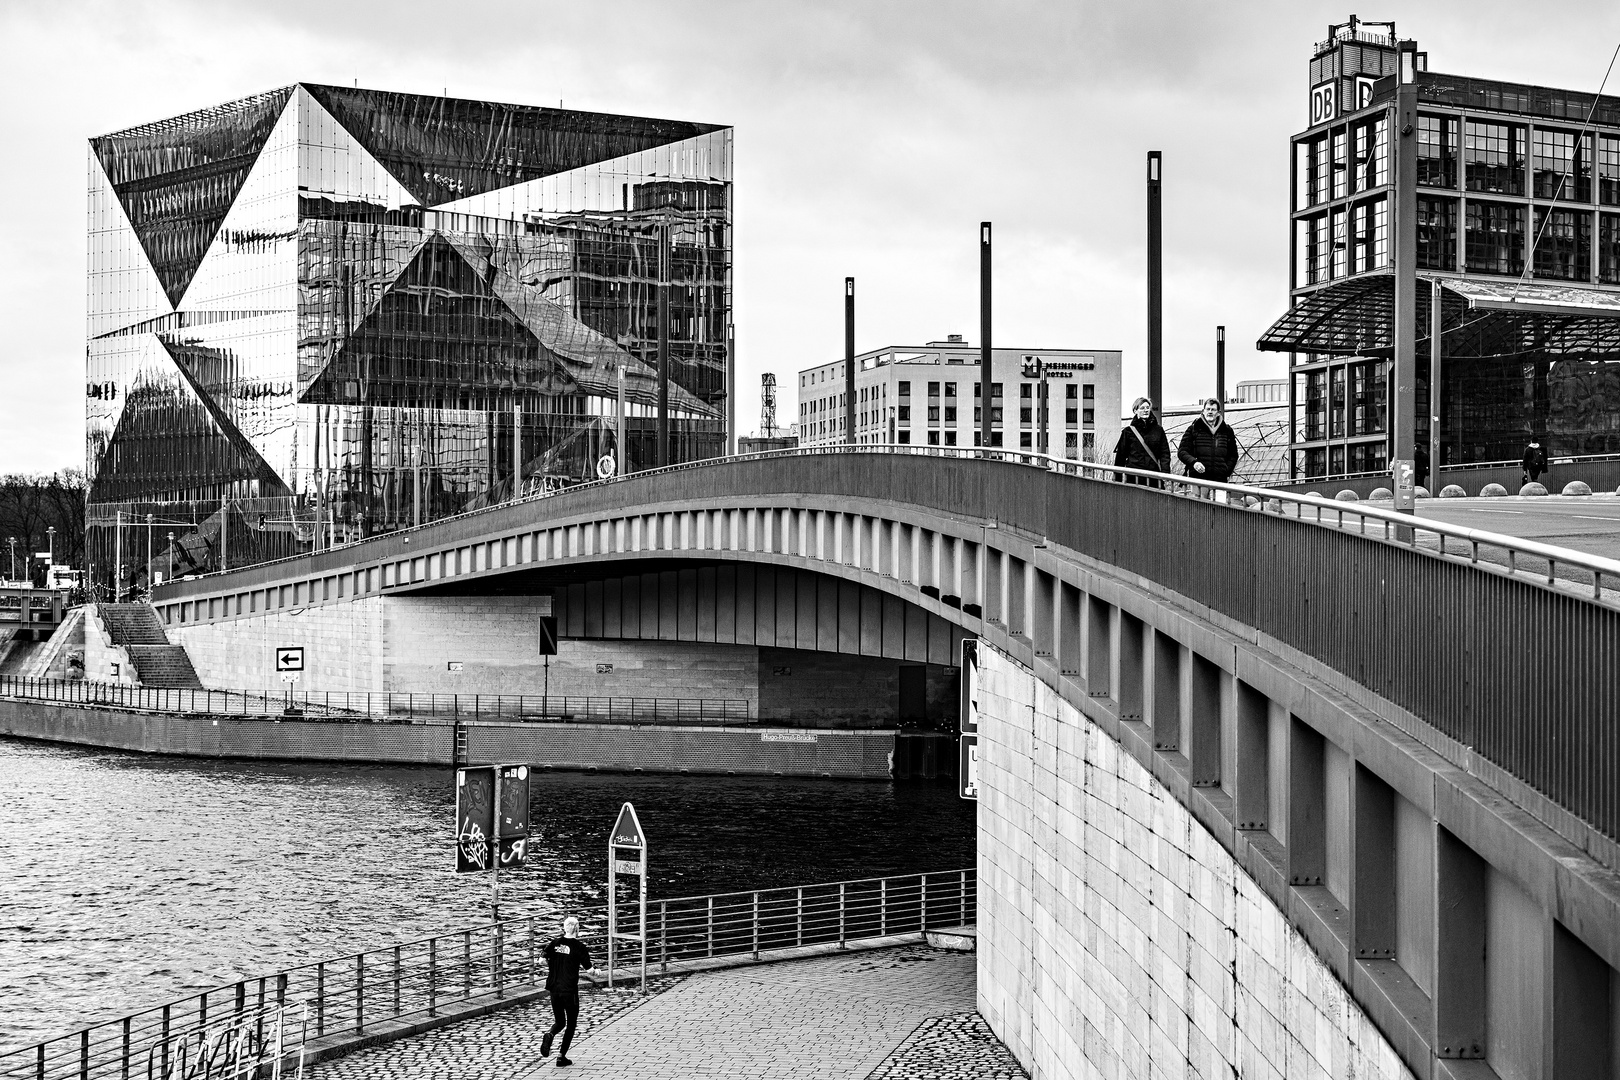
x=290 y=658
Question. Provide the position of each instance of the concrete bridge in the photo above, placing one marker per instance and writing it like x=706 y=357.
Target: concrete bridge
x=1256 y=789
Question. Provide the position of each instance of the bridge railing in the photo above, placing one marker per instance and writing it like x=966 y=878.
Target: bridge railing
x=360 y=705
x=353 y=994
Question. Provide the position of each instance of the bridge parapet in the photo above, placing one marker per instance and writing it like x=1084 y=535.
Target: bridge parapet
x=1382 y=729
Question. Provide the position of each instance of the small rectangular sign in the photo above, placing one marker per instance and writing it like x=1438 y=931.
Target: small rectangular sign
x=620 y=866
x=969 y=706
x=788 y=736
x=548 y=635
x=290 y=658
x=456 y=666
x=604 y=669
x=968 y=773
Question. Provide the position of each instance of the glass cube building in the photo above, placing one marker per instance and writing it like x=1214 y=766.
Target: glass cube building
x=321 y=313
x=1517 y=219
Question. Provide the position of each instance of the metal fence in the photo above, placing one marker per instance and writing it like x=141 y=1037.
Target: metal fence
x=353 y=994
x=340 y=705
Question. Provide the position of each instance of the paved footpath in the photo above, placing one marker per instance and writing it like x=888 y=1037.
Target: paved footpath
x=889 y=1014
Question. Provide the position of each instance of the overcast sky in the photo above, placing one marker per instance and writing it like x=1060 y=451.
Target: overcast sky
x=871 y=138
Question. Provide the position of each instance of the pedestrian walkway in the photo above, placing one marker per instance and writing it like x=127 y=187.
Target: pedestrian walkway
x=893 y=1013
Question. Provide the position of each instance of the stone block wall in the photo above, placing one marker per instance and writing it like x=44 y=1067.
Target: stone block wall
x=1117 y=937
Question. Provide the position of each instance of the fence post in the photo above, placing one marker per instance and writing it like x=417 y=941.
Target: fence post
x=497 y=963
x=531 y=953
x=396 y=980
x=433 y=976
x=84 y=1054
x=165 y=1047
x=711 y=926
x=466 y=963
x=798 y=918
x=125 y=1047
x=922 y=916
x=883 y=907
x=756 y=924
x=359 y=992
x=663 y=936
x=320 y=999
x=202 y=1008
x=841 y=937
x=281 y=991
x=961 y=895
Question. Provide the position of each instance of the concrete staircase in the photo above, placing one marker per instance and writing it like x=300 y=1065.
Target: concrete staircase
x=138 y=630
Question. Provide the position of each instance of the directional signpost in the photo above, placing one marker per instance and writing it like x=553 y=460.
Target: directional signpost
x=627 y=854
x=492 y=822
x=967 y=773
x=290 y=666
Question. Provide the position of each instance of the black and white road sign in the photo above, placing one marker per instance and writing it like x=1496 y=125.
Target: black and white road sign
x=290 y=658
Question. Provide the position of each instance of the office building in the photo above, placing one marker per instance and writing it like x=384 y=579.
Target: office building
x=321 y=313
x=1517 y=195
x=929 y=395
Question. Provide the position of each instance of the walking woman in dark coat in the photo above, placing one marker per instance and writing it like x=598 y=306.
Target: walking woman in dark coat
x=1209 y=446
x=1142 y=445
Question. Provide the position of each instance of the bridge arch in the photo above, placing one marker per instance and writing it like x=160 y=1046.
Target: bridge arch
x=1339 y=713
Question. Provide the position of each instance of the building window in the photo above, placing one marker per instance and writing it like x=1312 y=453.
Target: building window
x=1341 y=242
x=1563 y=244
x=1369 y=236
x=1369 y=154
x=933 y=438
x=1071 y=416
x=1493 y=238
x=933 y=414
x=905 y=437
x=1437 y=151
x=1336 y=403
x=1088 y=417
x=1089 y=391
x=1436 y=233
x=995 y=414
x=995 y=390
x=1311 y=251
x=1341 y=167
x=1312 y=462
x=1070 y=392
x=1024 y=415
x=1609 y=249
x=1366 y=398
x=950 y=414
x=905 y=413
x=1310 y=391
x=950 y=438
x=905 y=389
x=1367 y=457
x=1495 y=157
x=933 y=389
x=1561 y=166
x=976 y=389
x=1608 y=169
x=1025 y=391
x=995 y=438
x=1024 y=441
x=950 y=389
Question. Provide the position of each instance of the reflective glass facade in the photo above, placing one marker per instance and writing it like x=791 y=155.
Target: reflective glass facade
x=1509 y=188
x=321 y=313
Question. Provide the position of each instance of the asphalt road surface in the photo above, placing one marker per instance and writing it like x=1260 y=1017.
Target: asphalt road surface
x=1589 y=523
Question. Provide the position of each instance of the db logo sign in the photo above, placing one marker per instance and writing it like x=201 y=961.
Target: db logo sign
x=1323 y=107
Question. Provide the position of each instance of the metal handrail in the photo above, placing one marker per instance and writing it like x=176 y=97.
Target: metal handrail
x=381 y=706
x=1475 y=538
x=348 y=995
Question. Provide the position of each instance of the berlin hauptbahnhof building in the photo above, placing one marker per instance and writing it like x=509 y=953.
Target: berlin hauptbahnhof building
x=1518 y=218
x=321 y=313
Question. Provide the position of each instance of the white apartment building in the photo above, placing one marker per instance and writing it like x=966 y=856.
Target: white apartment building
x=930 y=395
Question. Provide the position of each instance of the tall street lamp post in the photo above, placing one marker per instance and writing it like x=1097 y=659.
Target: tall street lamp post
x=50 y=566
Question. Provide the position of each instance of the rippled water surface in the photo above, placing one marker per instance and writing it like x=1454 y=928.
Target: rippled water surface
x=127 y=880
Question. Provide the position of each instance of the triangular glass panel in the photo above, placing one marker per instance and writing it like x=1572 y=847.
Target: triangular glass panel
x=439 y=338
x=170 y=440
x=338 y=179
x=252 y=263
x=445 y=149
x=123 y=288
x=177 y=178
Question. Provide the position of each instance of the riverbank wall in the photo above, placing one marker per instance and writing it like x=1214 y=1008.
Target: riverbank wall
x=707 y=750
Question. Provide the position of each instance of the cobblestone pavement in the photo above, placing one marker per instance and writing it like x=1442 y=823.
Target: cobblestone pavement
x=960 y=1047
x=497 y=1046
x=891 y=1014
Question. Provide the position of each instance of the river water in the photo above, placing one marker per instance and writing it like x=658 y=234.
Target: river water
x=127 y=880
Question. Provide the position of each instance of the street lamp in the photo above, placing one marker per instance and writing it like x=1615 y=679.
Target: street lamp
x=50 y=565
x=171 y=555
x=13 y=541
x=149 y=552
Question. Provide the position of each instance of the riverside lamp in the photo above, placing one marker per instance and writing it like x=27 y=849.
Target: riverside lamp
x=50 y=566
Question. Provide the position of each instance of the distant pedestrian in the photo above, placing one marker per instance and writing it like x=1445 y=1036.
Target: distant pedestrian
x=566 y=957
x=1209 y=448
x=1420 y=466
x=1142 y=445
x=1535 y=461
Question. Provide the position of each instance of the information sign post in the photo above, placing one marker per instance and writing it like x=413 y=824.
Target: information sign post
x=492 y=823
x=967 y=774
x=627 y=854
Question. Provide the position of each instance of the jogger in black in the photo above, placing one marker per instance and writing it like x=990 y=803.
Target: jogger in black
x=565 y=959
